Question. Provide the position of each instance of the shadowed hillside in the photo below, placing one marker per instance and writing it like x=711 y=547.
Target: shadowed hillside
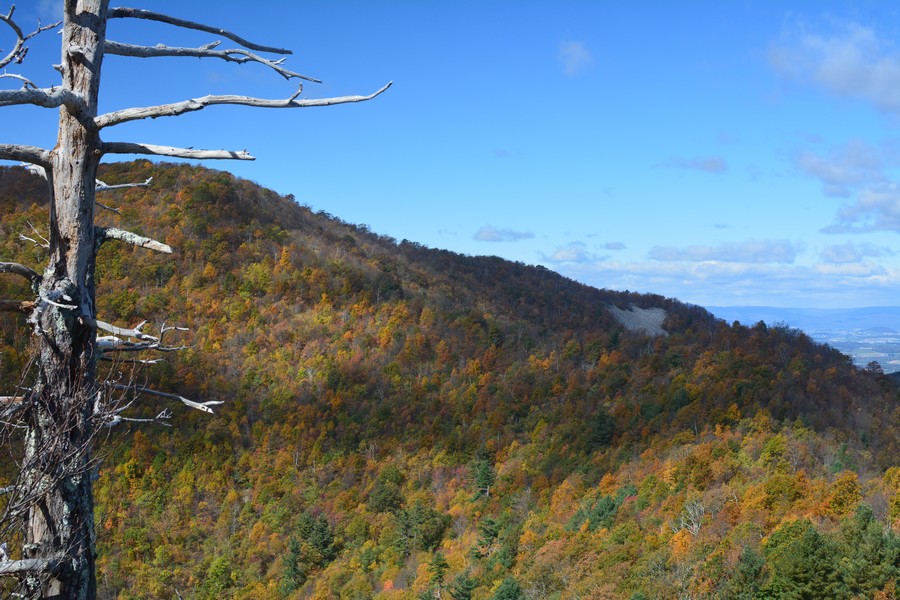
x=401 y=421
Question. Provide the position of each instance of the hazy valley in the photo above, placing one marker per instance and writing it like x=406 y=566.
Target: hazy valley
x=866 y=334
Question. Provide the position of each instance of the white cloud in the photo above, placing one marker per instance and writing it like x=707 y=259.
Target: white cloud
x=858 y=171
x=876 y=208
x=852 y=62
x=852 y=253
x=731 y=283
x=575 y=252
x=575 y=57
x=709 y=164
x=489 y=233
x=849 y=165
x=769 y=251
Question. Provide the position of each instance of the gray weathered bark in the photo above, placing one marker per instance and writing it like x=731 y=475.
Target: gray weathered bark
x=60 y=428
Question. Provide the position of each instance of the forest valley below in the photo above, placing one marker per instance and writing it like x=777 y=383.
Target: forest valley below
x=401 y=422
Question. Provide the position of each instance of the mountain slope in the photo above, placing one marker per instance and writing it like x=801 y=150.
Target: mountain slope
x=389 y=404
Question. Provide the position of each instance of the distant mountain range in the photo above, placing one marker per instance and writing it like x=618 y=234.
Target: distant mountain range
x=866 y=334
x=810 y=319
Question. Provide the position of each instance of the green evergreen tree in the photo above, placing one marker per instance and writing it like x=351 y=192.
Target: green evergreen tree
x=319 y=534
x=803 y=564
x=422 y=527
x=602 y=428
x=295 y=571
x=871 y=553
x=483 y=476
x=509 y=590
x=745 y=582
x=462 y=587
x=438 y=568
x=313 y=549
x=488 y=530
x=386 y=495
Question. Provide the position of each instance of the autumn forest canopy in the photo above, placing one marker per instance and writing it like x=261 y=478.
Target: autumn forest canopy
x=405 y=422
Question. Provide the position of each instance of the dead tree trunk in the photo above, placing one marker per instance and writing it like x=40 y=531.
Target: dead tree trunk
x=60 y=427
x=53 y=495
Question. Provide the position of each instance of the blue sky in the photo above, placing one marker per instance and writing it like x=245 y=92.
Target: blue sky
x=723 y=153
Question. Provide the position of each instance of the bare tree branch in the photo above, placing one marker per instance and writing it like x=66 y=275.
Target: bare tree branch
x=118 y=211
x=18 y=269
x=22 y=306
x=134 y=13
x=31 y=565
x=25 y=81
x=132 y=148
x=178 y=108
x=103 y=187
x=34 y=169
x=114 y=233
x=111 y=343
x=162 y=418
x=204 y=406
x=44 y=243
x=29 y=154
x=134 y=332
x=235 y=55
x=47 y=98
x=17 y=54
x=132 y=361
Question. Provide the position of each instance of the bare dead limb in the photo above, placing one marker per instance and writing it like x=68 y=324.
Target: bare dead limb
x=21 y=270
x=204 y=406
x=235 y=55
x=115 y=343
x=100 y=186
x=111 y=343
x=42 y=244
x=17 y=54
x=25 y=81
x=114 y=233
x=152 y=149
x=53 y=298
x=29 y=154
x=134 y=13
x=34 y=169
x=178 y=108
x=31 y=565
x=163 y=418
x=132 y=361
x=103 y=187
x=22 y=306
x=163 y=329
x=118 y=211
x=134 y=332
x=46 y=98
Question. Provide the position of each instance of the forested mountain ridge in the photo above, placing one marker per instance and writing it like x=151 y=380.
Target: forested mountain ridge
x=401 y=421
